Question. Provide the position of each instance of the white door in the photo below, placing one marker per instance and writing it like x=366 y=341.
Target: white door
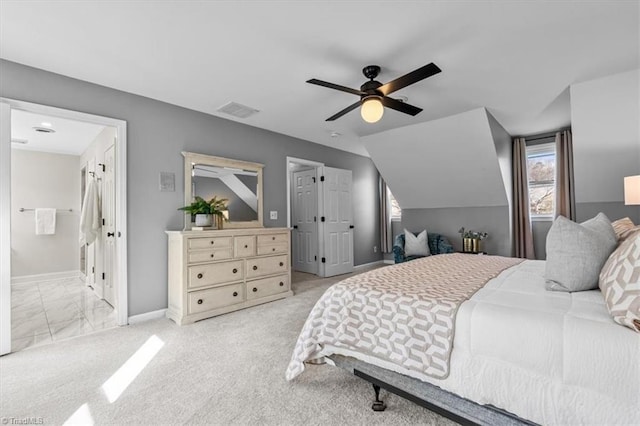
x=90 y=249
x=305 y=225
x=109 y=226
x=5 y=229
x=337 y=222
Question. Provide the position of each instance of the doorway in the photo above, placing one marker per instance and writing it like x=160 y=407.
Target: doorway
x=67 y=276
x=320 y=213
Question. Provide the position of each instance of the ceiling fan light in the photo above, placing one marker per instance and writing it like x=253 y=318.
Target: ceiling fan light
x=371 y=110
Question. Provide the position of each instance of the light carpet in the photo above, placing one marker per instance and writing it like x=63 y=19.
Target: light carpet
x=224 y=370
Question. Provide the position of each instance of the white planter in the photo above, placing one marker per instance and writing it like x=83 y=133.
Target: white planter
x=203 y=220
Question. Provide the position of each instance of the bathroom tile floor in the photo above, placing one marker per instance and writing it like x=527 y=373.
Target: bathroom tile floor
x=44 y=311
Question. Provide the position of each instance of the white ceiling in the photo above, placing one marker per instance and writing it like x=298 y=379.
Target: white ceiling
x=70 y=137
x=516 y=58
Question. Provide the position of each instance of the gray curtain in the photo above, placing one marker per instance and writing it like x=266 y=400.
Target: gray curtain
x=565 y=186
x=521 y=222
x=386 y=237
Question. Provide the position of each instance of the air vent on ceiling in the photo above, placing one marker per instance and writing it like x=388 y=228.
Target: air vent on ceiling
x=20 y=141
x=44 y=129
x=237 y=110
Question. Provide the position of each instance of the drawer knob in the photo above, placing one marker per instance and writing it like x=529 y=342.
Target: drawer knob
x=199 y=276
x=235 y=270
x=281 y=284
x=273 y=249
x=199 y=301
x=212 y=242
x=235 y=294
x=246 y=246
x=273 y=238
x=255 y=267
x=211 y=254
x=281 y=264
x=255 y=289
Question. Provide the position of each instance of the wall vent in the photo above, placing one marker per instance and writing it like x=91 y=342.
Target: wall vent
x=237 y=110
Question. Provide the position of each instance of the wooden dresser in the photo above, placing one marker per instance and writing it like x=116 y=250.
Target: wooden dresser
x=215 y=272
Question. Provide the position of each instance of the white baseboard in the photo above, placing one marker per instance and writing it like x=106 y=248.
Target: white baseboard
x=160 y=313
x=23 y=279
x=389 y=261
x=367 y=265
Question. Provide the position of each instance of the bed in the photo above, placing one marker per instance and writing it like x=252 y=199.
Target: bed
x=547 y=357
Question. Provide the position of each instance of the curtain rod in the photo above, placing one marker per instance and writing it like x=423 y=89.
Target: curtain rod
x=545 y=135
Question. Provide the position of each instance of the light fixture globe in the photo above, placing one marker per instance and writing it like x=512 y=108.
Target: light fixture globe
x=371 y=109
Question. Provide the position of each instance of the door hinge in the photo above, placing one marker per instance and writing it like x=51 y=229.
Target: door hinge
x=322 y=219
x=315 y=219
x=93 y=269
x=102 y=222
x=103 y=276
x=321 y=178
x=315 y=258
x=324 y=260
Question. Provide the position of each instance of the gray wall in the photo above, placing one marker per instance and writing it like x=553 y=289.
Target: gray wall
x=157 y=133
x=447 y=221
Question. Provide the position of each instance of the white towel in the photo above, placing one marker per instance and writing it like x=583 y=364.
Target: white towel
x=45 y=221
x=90 y=214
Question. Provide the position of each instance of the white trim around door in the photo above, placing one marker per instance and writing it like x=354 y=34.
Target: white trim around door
x=122 y=309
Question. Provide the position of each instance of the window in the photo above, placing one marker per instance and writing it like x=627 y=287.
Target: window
x=396 y=211
x=541 y=172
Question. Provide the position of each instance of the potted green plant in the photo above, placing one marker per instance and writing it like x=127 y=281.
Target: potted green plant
x=204 y=210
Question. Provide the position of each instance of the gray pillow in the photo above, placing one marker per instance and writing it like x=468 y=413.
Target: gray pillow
x=416 y=246
x=577 y=252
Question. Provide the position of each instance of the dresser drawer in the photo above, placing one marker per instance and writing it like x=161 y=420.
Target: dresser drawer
x=209 y=255
x=273 y=239
x=245 y=246
x=211 y=242
x=213 y=298
x=261 y=266
x=215 y=273
x=267 y=287
x=274 y=248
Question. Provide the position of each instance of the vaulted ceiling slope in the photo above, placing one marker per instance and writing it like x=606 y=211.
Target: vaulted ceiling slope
x=451 y=162
x=515 y=58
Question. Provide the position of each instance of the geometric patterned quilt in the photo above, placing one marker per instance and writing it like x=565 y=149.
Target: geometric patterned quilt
x=402 y=314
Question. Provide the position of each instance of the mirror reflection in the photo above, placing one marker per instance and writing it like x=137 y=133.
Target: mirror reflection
x=238 y=186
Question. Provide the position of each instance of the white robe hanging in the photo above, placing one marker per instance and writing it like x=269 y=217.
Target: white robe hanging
x=90 y=214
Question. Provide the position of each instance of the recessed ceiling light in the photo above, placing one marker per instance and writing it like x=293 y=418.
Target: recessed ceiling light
x=46 y=124
x=335 y=134
x=402 y=98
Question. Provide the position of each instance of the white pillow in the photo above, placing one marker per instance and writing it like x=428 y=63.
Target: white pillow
x=416 y=246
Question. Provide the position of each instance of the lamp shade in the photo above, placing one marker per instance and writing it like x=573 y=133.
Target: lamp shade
x=632 y=190
x=371 y=110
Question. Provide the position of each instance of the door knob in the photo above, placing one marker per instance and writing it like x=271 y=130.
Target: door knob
x=110 y=234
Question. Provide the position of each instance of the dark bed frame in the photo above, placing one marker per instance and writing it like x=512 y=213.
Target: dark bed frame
x=431 y=397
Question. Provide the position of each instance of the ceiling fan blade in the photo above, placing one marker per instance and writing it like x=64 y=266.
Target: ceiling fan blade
x=344 y=111
x=336 y=87
x=408 y=79
x=400 y=106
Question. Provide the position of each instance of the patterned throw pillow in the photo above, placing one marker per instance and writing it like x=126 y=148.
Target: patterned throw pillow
x=416 y=246
x=624 y=228
x=620 y=283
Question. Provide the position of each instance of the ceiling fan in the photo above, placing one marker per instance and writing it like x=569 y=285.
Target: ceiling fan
x=374 y=96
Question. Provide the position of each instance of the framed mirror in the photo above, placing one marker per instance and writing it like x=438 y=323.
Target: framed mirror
x=240 y=182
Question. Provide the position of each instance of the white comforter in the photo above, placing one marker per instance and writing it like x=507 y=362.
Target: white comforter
x=550 y=357
x=554 y=358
